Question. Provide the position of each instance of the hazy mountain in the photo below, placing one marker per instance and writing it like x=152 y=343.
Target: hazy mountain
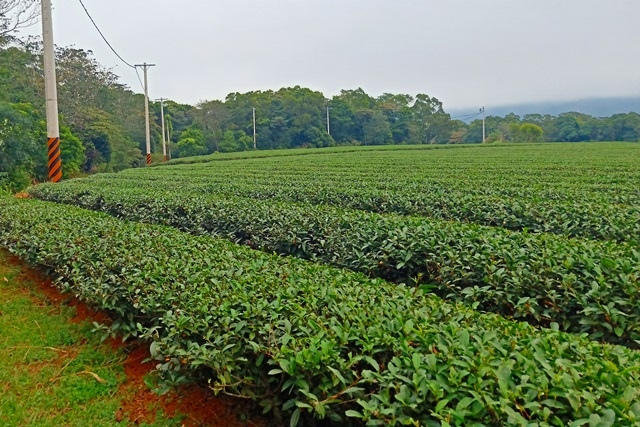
x=597 y=107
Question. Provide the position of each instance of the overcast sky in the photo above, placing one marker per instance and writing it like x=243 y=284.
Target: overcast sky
x=466 y=53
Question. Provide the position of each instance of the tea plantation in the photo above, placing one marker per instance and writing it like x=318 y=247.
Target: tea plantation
x=469 y=286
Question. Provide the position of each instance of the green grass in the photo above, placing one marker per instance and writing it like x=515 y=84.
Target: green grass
x=53 y=372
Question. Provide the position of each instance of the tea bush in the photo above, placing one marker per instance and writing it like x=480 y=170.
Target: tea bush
x=583 y=286
x=309 y=341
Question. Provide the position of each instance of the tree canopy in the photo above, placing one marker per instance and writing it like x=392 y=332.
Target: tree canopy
x=102 y=120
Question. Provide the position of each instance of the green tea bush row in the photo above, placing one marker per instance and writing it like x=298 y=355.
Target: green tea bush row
x=308 y=341
x=583 y=190
x=216 y=157
x=583 y=286
x=590 y=218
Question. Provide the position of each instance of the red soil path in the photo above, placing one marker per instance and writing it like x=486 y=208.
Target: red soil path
x=139 y=404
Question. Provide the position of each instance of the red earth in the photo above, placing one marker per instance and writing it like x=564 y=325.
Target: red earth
x=197 y=404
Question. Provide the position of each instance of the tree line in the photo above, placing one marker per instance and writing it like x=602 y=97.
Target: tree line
x=565 y=127
x=102 y=120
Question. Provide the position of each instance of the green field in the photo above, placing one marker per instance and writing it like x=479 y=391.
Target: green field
x=420 y=270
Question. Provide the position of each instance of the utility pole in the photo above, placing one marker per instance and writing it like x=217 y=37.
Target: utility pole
x=254 y=129
x=164 y=141
x=51 y=94
x=145 y=67
x=328 y=121
x=169 y=137
x=484 y=138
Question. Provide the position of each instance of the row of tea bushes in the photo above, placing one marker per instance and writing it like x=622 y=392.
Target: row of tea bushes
x=579 y=190
x=583 y=286
x=314 y=342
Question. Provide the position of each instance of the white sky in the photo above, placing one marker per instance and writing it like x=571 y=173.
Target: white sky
x=467 y=53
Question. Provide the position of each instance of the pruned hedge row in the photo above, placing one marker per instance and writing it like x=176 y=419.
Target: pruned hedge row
x=590 y=217
x=295 y=152
x=583 y=286
x=314 y=342
x=583 y=190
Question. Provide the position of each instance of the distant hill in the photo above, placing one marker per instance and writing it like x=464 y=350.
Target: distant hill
x=597 y=107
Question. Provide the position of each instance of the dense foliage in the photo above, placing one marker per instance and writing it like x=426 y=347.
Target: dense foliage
x=107 y=119
x=297 y=117
x=566 y=127
x=101 y=120
x=309 y=341
x=583 y=285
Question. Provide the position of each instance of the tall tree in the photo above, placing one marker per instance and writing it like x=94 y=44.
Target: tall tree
x=397 y=109
x=21 y=74
x=23 y=157
x=433 y=124
x=376 y=129
x=344 y=128
x=99 y=111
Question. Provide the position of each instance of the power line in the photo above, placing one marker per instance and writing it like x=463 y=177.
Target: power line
x=467 y=116
x=104 y=38
x=109 y=44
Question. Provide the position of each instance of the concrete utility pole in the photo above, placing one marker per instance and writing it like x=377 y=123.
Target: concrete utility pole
x=164 y=141
x=254 y=129
x=169 y=139
x=51 y=94
x=145 y=67
x=328 y=121
x=484 y=138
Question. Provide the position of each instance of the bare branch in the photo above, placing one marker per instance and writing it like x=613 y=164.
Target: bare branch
x=15 y=14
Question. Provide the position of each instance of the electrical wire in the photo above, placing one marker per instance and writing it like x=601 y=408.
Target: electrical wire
x=467 y=116
x=103 y=37
x=109 y=44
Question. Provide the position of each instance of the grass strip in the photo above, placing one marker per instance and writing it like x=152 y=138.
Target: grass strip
x=53 y=370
